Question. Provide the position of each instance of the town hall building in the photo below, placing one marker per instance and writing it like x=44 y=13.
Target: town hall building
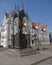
x=18 y=31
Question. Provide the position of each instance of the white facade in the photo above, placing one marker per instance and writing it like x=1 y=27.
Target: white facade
x=39 y=37
x=10 y=26
x=7 y=30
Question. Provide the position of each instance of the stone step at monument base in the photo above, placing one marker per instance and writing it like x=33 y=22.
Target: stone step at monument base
x=28 y=51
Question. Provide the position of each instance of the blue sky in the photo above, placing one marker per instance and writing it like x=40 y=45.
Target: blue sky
x=38 y=10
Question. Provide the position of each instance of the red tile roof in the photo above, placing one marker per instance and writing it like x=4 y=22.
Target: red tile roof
x=43 y=27
x=34 y=24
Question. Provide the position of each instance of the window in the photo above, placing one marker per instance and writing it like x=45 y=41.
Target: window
x=2 y=30
x=10 y=20
x=32 y=31
x=15 y=21
x=32 y=41
x=2 y=41
x=2 y=37
x=12 y=27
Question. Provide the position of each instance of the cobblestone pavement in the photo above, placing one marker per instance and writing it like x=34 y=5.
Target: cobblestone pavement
x=12 y=57
x=47 y=62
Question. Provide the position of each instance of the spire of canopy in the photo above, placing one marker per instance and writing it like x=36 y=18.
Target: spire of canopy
x=22 y=6
x=15 y=6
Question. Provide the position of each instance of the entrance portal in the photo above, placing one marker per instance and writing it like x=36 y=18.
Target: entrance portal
x=23 y=41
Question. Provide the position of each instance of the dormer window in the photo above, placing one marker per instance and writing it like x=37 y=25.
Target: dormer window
x=43 y=28
x=35 y=25
x=24 y=22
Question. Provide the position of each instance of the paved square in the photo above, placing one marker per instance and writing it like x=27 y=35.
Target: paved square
x=12 y=57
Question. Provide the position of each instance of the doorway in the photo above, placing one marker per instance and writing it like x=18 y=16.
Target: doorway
x=23 y=41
